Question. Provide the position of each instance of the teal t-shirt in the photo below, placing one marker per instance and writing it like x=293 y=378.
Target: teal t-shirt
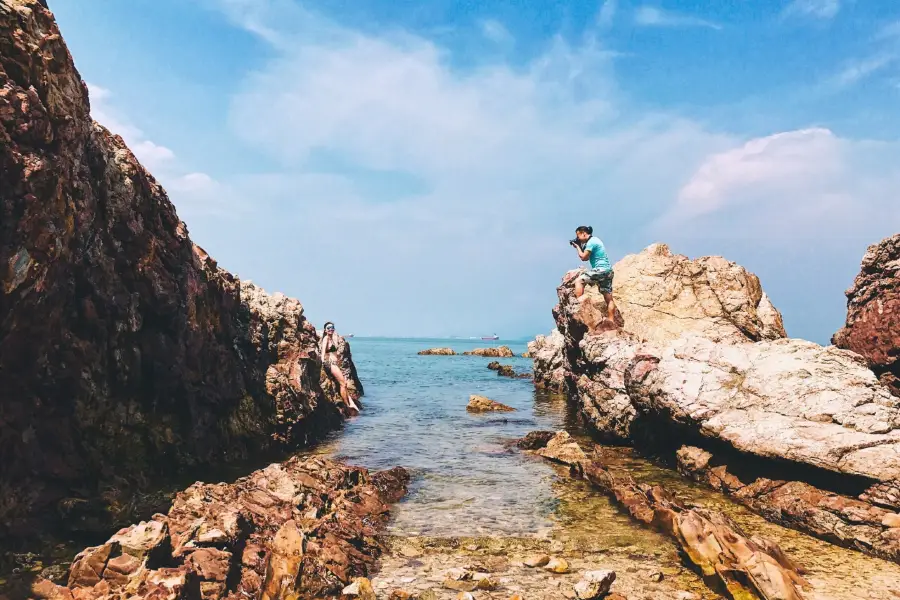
x=599 y=259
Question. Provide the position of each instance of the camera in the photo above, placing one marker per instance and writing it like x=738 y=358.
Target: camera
x=574 y=242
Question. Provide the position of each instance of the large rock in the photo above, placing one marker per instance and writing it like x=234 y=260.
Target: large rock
x=873 y=312
x=548 y=354
x=125 y=352
x=660 y=297
x=438 y=352
x=788 y=399
x=304 y=528
x=480 y=404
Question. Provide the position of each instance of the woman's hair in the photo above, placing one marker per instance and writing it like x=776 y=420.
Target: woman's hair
x=585 y=229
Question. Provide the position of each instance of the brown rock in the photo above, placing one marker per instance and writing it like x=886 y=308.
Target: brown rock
x=535 y=440
x=88 y=567
x=437 y=352
x=563 y=449
x=125 y=351
x=360 y=588
x=557 y=565
x=873 y=312
x=498 y=352
x=482 y=404
x=548 y=354
x=146 y=540
x=539 y=560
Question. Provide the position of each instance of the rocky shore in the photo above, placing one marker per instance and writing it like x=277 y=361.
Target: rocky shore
x=126 y=353
x=702 y=360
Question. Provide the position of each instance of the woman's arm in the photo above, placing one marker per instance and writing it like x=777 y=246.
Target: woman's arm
x=323 y=345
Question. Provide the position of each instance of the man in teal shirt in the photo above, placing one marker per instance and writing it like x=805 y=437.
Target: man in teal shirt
x=591 y=249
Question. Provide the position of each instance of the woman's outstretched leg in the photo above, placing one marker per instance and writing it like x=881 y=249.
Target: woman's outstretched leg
x=342 y=382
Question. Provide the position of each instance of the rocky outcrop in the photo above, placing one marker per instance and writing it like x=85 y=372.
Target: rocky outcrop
x=789 y=400
x=548 y=354
x=832 y=517
x=479 y=404
x=873 y=312
x=748 y=567
x=304 y=528
x=498 y=352
x=126 y=353
x=437 y=352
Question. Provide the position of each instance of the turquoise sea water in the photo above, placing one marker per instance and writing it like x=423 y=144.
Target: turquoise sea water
x=465 y=480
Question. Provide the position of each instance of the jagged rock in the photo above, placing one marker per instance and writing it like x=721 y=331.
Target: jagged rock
x=557 y=565
x=267 y=543
x=437 y=352
x=548 y=354
x=826 y=515
x=499 y=352
x=594 y=584
x=535 y=440
x=663 y=296
x=482 y=404
x=787 y=399
x=126 y=353
x=873 y=312
x=494 y=365
x=563 y=449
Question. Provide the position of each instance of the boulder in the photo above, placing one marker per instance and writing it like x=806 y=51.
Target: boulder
x=594 y=584
x=548 y=354
x=437 y=352
x=873 y=312
x=498 y=352
x=303 y=528
x=126 y=352
x=563 y=449
x=786 y=399
x=479 y=404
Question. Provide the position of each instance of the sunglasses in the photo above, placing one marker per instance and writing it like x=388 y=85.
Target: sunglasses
x=329 y=329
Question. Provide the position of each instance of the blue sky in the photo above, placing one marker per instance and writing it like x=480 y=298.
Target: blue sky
x=415 y=168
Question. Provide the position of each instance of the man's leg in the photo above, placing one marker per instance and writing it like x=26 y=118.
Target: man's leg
x=610 y=306
x=579 y=286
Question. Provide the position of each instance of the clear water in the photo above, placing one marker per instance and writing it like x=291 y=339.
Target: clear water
x=466 y=482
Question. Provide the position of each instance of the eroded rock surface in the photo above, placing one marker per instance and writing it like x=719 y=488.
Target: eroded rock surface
x=829 y=516
x=787 y=399
x=479 y=404
x=305 y=528
x=873 y=312
x=437 y=352
x=125 y=351
x=548 y=354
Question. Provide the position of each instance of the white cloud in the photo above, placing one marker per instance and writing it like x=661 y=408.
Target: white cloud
x=856 y=71
x=607 y=13
x=495 y=31
x=889 y=32
x=817 y=9
x=651 y=16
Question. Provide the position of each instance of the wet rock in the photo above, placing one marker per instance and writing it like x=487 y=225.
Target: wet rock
x=479 y=404
x=266 y=544
x=747 y=396
x=498 y=352
x=563 y=449
x=873 y=312
x=539 y=560
x=438 y=352
x=400 y=595
x=557 y=565
x=832 y=517
x=594 y=584
x=548 y=353
x=494 y=365
x=506 y=371
x=535 y=440
x=126 y=353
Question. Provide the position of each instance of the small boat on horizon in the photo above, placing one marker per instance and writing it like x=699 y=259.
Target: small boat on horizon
x=490 y=338
x=349 y=335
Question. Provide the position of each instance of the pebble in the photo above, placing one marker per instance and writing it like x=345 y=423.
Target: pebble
x=557 y=565
x=537 y=561
x=360 y=588
x=594 y=584
x=656 y=576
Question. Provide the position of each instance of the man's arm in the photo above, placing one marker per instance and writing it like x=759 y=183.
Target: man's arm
x=583 y=254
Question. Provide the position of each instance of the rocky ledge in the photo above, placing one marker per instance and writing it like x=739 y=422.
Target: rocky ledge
x=548 y=354
x=438 y=352
x=126 y=353
x=498 y=352
x=305 y=528
x=702 y=359
x=873 y=312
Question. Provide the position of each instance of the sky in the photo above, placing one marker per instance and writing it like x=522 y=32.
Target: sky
x=415 y=168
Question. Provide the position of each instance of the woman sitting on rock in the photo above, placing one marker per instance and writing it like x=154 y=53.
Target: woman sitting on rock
x=332 y=364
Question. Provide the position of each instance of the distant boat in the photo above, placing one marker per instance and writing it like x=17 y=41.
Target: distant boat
x=490 y=338
x=349 y=335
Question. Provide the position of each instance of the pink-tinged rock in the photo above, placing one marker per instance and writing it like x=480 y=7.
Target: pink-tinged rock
x=873 y=312
x=88 y=567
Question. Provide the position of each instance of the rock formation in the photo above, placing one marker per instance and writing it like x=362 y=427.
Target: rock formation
x=498 y=352
x=788 y=399
x=873 y=312
x=304 y=528
x=548 y=354
x=479 y=404
x=437 y=352
x=125 y=351
x=832 y=517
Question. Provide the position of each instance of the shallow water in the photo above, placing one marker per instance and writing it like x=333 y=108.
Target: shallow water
x=468 y=484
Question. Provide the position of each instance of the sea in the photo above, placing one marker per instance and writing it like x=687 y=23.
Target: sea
x=467 y=477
